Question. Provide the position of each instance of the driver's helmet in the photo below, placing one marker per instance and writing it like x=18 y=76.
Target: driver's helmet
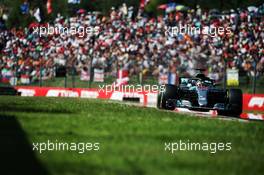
x=199 y=83
x=191 y=83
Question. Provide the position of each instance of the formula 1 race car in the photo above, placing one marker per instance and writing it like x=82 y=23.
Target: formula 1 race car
x=200 y=94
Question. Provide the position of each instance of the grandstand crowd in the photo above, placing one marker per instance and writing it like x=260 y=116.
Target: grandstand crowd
x=138 y=43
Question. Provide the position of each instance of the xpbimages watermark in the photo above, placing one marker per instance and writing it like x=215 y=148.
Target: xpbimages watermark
x=81 y=31
x=192 y=30
x=80 y=147
x=131 y=88
x=212 y=147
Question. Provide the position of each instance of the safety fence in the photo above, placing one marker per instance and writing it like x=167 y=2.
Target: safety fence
x=82 y=80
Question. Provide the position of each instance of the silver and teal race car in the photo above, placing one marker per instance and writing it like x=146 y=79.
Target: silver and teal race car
x=199 y=93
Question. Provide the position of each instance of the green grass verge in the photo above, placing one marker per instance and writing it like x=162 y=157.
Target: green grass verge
x=132 y=138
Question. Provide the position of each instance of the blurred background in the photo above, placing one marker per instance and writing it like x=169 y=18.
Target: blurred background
x=132 y=46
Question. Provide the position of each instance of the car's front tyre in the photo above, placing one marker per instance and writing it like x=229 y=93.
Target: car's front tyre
x=235 y=102
x=167 y=97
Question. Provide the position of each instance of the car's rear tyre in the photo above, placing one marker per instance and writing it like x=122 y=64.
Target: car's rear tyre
x=167 y=97
x=235 y=102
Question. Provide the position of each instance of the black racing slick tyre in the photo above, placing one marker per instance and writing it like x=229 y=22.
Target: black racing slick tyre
x=167 y=96
x=235 y=97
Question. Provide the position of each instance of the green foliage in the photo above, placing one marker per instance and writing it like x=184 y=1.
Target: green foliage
x=14 y=13
x=205 y=4
x=152 y=6
x=16 y=19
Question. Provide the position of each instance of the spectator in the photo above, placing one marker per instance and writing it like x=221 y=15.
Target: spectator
x=139 y=45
